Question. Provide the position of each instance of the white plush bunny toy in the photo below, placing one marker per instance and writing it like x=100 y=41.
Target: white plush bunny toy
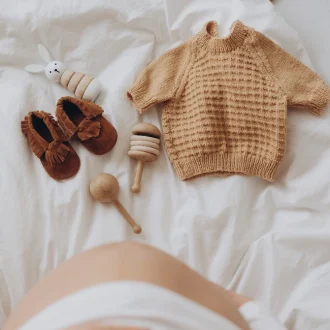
x=83 y=86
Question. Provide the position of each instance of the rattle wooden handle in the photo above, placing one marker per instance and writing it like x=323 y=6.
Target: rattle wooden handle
x=138 y=176
x=136 y=228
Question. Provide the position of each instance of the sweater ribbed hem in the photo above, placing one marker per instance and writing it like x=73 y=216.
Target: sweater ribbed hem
x=320 y=98
x=137 y=96
x=225 y=164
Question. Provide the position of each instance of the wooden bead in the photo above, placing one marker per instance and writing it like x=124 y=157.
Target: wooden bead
x=92 y=91
x=145 y=138
x=65 y=78
x=142 y=155
x=145 y=144
x=146 y=129
x=82 y=86
x=74 y=81
x=105 y=188
x=146 y=149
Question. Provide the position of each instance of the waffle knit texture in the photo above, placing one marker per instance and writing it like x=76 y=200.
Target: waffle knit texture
x=225 y=101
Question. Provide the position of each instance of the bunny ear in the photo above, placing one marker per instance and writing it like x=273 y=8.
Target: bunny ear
x=34 y=68
x=44 y=53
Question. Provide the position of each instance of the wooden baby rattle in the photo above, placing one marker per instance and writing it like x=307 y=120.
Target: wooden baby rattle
x=104 y=188
x=144 y=147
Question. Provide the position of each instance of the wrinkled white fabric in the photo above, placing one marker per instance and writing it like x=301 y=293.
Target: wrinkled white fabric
x=128 y=303
x=265 y=240
x=259 y=317
x=142 y=305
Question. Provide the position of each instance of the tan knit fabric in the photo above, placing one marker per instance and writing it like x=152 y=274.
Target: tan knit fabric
x=225 y=101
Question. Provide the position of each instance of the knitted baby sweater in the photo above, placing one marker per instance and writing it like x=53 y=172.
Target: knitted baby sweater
x=225 y=101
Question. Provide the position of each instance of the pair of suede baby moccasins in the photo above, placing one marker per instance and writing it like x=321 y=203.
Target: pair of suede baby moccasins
x=49 y=139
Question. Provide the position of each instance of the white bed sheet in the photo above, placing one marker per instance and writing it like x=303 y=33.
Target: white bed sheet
x=266 y=240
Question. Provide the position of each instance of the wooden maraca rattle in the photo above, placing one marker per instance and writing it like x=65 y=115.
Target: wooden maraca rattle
x=104 y=188
x=144 y=147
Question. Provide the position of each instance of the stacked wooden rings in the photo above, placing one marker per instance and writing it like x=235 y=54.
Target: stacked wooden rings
x=145 y=144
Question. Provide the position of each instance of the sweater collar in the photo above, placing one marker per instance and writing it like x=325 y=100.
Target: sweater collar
x=236 y=37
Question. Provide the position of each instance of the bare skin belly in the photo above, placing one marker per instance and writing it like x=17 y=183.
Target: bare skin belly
x=123 y=262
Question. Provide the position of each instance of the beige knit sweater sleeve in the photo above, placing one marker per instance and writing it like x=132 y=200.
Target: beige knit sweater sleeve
x=161 y=79
x=302 y=86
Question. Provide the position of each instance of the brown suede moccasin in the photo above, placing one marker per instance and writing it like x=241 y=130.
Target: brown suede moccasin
x=50 y=145
x=83 y=119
